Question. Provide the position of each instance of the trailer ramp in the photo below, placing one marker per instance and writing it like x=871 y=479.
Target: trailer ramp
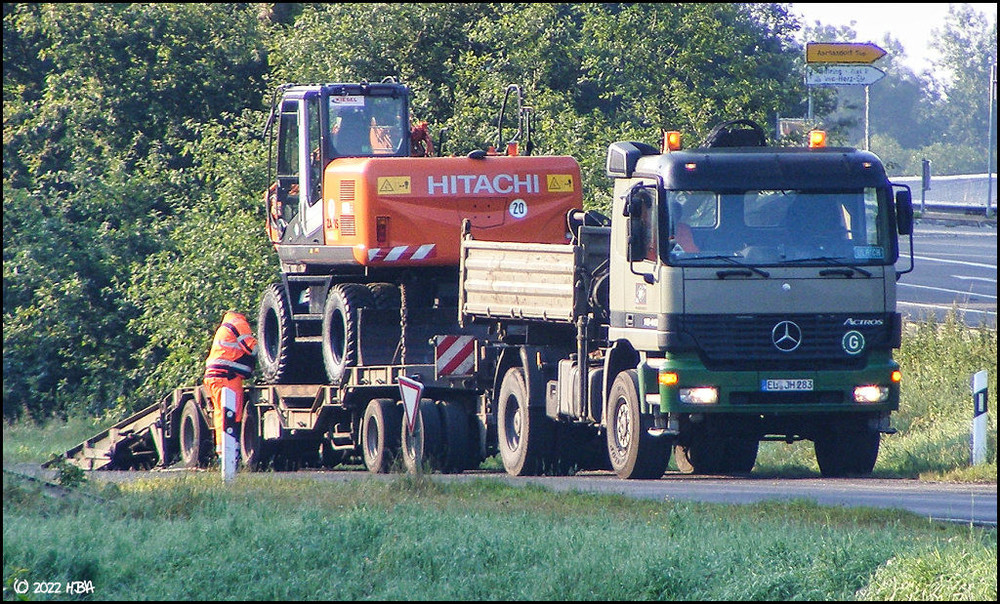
x=134 y=442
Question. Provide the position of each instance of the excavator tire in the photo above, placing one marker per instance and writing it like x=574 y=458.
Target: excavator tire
x=340 y=328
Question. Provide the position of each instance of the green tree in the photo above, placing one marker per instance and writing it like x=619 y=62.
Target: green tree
x=968 y=46
x=101 y=103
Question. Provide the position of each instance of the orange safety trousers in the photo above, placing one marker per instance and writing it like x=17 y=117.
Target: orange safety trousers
x=215 y=386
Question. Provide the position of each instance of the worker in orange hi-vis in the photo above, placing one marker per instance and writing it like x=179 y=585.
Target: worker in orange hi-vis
x=230 y=360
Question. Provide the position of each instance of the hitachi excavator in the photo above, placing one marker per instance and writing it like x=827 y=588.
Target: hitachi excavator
x=364 y=217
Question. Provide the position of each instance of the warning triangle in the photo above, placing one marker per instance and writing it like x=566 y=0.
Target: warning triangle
x=410 y=390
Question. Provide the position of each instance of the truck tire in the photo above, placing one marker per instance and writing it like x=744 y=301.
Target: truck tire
x=458 y=448
x=254 y=450
x=380 y=436
x=847 y=448
x=707 y=454
x=195 y=437
x=422 y=448
x=524 y=434
x=633 y=452
x=340 y=328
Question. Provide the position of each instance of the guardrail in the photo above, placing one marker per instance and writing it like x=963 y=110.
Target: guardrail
x=960 y=193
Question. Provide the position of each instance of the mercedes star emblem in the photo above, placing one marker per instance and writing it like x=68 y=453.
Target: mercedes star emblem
x=786 y=336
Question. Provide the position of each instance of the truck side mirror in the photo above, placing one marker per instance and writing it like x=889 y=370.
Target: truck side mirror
x=904 y=212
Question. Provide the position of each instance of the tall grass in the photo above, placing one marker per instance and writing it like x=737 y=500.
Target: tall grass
x=268 y=537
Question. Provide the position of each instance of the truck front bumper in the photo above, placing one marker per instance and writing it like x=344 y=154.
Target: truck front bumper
x=685 y=385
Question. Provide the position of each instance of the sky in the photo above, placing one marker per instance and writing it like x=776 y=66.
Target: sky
x=910 y=23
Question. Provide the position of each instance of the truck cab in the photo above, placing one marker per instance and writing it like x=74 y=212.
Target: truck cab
x=758 y=287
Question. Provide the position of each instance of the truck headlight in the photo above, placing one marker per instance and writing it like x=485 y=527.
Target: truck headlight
x=703 y=395
x=871 y=394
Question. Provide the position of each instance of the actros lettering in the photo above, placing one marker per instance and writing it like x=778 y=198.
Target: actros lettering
x=851 y=322
x=481 y=184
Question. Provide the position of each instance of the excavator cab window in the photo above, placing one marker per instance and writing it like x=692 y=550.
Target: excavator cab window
x=362 y=126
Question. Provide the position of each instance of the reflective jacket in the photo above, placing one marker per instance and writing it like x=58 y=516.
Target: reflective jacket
x=233 y=350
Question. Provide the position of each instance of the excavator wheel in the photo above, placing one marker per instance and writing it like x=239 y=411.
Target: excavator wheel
x=340 y=327
x=280 y=359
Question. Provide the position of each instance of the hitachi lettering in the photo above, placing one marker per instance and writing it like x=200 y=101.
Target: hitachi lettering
x=481 y=184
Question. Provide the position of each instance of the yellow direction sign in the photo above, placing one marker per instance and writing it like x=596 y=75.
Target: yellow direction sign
x=842 y=52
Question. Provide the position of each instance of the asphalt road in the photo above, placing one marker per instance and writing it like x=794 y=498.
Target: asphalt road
x=949 y=502
x=955 y=266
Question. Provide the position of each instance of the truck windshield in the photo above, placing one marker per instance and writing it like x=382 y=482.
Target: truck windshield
x=366 y=125
x=775 y=227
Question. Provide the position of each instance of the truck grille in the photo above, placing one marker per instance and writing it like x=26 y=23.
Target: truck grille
x=743 y=342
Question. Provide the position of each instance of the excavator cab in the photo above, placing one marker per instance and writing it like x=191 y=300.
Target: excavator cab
x=313 y=125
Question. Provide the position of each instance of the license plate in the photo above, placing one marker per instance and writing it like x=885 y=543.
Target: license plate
x=786 y=385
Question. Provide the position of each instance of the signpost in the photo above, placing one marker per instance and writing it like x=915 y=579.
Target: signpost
x=843 y=64
x=843 y=75
x=842 y=52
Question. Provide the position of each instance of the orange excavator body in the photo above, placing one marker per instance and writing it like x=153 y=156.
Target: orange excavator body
x=409 y=211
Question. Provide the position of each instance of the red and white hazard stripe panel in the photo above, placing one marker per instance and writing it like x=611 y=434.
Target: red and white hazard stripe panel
x=402 y=252
x=454 y=355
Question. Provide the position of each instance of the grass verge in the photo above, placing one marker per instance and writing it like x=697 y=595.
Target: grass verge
x=267 y=537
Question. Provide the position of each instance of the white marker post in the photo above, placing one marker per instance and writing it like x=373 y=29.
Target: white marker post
x=229 y=435
x=979 y=397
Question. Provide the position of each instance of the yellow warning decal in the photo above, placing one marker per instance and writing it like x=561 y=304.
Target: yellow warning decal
x=559 y=183
x=394 y=185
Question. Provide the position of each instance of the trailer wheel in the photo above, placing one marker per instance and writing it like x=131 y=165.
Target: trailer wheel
x=340 y=328
x=423 y=446
x=525 y=435
x=633 y=452
x=380 y=436
x=458 y=448
x=847 y=448
x=253 y=448
x=194 y=444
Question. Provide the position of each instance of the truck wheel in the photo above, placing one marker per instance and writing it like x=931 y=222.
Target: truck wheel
x=380 y=435
x=340 y=328
x=423 y=446
x=710 y=454
x=633 y=452
x=253 y=448
x=458 y=448
x=194 y=443
x=741 y=454
x=847 y=449
x=525 y=435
